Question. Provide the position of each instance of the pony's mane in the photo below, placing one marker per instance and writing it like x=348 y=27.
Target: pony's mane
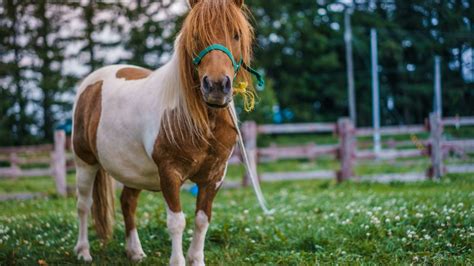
x=207 y=20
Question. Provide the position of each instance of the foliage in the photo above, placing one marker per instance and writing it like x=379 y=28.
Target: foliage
x=301 y=48
x=48 y=46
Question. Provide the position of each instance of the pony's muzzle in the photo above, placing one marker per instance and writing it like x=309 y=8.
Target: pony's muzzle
x=217 y=93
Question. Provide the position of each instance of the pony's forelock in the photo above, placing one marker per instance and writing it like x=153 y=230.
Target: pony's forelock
x=201 y=28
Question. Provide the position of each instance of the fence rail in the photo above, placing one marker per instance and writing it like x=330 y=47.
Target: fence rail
x=347 y=152
x=54 y=156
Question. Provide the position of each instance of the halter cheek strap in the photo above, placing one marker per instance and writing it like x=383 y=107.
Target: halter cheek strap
x=222 y=48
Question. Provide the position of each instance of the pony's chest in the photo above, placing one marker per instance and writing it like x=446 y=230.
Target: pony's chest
x=200 y=163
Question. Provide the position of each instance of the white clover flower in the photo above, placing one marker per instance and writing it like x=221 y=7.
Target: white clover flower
x=397 y=218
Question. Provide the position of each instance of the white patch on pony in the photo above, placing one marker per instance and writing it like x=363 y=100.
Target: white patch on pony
x=130 y=120
x=195 y=254
x=176 y=224
x=85 y=176
x=134 y=247
x=219 y=183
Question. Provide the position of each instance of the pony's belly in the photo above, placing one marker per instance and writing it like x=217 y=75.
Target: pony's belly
x=129 y=164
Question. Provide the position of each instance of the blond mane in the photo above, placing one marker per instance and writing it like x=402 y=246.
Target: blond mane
x=200 y=29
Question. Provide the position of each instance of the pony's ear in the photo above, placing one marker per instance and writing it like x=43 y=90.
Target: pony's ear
x=192 y=3
x=239 y=3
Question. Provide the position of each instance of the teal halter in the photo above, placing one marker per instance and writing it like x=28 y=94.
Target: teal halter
x=222 y=48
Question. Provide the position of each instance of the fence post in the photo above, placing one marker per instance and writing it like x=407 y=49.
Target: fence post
x=249 y=135
x=346 y=153
x=15 y=165
x=436 y=151
x=59 y=162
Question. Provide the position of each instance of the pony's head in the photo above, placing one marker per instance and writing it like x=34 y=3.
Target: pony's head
x=211 y=22
x=208 y=84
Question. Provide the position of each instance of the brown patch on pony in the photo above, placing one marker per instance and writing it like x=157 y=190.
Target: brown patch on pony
x=86 y=121
x=133 y=73
x=204 y=163
x=208 y=22
x=128 y=201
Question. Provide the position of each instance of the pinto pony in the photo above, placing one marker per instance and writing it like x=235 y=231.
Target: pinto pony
x=153 y=130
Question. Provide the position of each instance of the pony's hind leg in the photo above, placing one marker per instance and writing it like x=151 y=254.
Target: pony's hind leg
x=85 y=176
x=128 y=201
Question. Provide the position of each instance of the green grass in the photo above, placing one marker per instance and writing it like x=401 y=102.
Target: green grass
x=42 y=184
x=315 y=222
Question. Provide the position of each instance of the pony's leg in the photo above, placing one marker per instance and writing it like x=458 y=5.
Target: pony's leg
x=205 y=197
x=85 y=176
x=128 y=201
x=170 y=185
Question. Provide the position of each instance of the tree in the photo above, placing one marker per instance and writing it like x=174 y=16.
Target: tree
x=49 y=49
x=15 y=121
x=151 y=34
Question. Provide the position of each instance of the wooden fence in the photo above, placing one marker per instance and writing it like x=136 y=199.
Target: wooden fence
x=52 y=156
x=347 y=152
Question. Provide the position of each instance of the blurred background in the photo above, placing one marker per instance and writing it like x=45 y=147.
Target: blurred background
x=301 y=46
x=407 y=195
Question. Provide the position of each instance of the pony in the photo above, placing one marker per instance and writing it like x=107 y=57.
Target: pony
x=153 y=130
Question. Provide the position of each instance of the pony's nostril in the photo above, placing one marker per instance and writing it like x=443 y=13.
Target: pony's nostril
x=227 y=84
x=205 y=84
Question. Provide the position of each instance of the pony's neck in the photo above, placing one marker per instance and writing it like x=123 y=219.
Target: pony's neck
x=165 y=84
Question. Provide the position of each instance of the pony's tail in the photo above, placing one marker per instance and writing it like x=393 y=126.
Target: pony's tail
x=103 y=205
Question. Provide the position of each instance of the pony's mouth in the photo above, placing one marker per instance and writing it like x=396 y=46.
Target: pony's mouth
x=217 y=106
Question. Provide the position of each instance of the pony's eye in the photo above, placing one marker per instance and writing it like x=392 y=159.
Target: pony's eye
x=236 y=37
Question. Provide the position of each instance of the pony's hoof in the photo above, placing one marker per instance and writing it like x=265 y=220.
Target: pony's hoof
x=83 y=253
x=177 y=261
x=136 y=255
x=196 y=262
x=196 y=259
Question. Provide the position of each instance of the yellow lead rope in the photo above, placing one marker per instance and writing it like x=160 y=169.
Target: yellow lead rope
x=248 y=165
x=249 y=96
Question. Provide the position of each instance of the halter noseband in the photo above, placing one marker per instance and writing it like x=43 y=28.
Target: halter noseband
x=222 y=48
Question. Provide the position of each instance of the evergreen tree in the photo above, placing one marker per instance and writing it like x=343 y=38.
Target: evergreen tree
x=151 y=33
x=15 y=121
x=50 y=56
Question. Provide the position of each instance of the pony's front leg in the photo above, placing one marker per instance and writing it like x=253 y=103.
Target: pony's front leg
x=170 y=185
x=206 y=195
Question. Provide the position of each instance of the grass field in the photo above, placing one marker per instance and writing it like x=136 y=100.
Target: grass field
x=315 y=222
